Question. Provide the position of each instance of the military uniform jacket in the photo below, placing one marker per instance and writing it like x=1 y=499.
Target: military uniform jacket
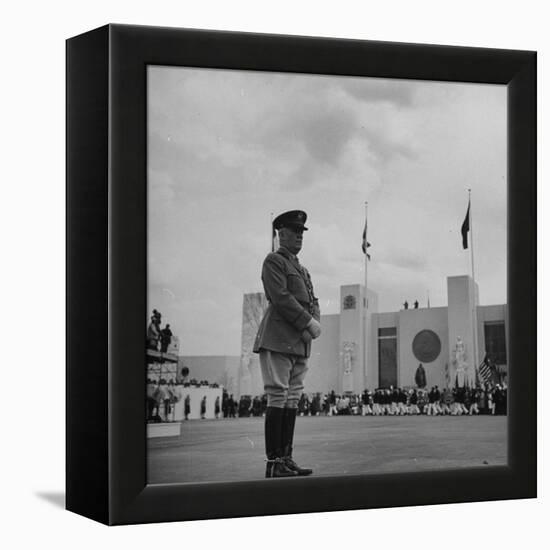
x=292 y=304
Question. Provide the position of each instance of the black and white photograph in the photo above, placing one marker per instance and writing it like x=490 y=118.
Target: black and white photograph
x=273 y=274
x=327 y=282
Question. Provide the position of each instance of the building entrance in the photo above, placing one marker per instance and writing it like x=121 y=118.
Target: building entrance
x=387 y=357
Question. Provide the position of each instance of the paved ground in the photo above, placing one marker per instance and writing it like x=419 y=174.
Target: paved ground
x=233 y=449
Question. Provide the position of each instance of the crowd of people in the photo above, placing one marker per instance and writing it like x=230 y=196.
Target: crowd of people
x=390 y=402
x=164 y=394
x=243 y=407
x=400 y=401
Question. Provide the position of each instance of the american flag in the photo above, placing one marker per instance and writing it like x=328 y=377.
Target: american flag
x=486 y=370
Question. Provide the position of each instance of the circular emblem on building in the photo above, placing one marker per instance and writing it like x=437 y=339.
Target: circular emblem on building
x=426 y=346
x=349 y=302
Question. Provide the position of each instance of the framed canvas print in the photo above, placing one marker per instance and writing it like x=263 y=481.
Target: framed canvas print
x=301 y=274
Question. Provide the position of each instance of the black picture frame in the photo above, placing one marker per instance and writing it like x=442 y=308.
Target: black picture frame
x=106 y=273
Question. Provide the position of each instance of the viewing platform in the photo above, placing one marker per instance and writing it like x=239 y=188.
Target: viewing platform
x=154 y=356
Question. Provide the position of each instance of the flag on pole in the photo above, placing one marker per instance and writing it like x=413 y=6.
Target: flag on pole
x=365 y=244
x=486 y=370
x=466 y=228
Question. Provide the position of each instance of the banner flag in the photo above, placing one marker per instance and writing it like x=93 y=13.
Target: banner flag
x=466 y=228
x=365 y=244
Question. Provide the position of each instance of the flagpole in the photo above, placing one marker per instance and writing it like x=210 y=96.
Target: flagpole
x=366 y=254
x=474 y=316
x=365 y=312
x=470 y=221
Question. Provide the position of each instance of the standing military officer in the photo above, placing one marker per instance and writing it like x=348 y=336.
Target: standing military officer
x=283 y=341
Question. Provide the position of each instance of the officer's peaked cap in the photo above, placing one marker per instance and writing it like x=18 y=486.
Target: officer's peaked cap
x=292 y=218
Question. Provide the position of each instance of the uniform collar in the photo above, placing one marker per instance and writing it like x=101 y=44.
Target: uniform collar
x=288 y=254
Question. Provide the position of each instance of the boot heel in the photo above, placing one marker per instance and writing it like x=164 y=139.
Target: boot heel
x=269 y=468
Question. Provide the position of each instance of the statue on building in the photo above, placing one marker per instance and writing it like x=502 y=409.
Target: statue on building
x=406 y=305
x=459 y=362
x=416 y=304
x=420 y=376
x=348 y=353
x=348 y=349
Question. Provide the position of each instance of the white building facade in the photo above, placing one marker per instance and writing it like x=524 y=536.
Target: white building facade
x=362 y=348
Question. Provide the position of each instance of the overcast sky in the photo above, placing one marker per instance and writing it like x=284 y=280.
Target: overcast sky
x=228 y=148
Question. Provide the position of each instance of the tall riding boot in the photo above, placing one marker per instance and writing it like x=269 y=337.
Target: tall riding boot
x=287 y=437
x=276 y=466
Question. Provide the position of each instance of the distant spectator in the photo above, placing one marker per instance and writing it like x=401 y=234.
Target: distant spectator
x=326 y=405
x=187 y=407
x=499 y=398
x=165 y=338
x=342 y=406
x=231 y=407
x=432 y=409
x=446 y=401
x=458 y=407
x=482 y=403
x=245 y=406
x=376 y=404
x=225 y=404
x=401 y=402
x=152 y=400
x=173 y=396
x=315 y=407
x=437 y=400
x=413 y=403
x=332 y=403
x=492 y=400
x=467 y=399
x=473 y=408
x=157 y=316
x=423 y=401
x=366 y=399
x=354 y=407
x=164 y=398
x=153 y=334
x=303 y=405
x=203 y=407
x=256 y=406
x=394 y=398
